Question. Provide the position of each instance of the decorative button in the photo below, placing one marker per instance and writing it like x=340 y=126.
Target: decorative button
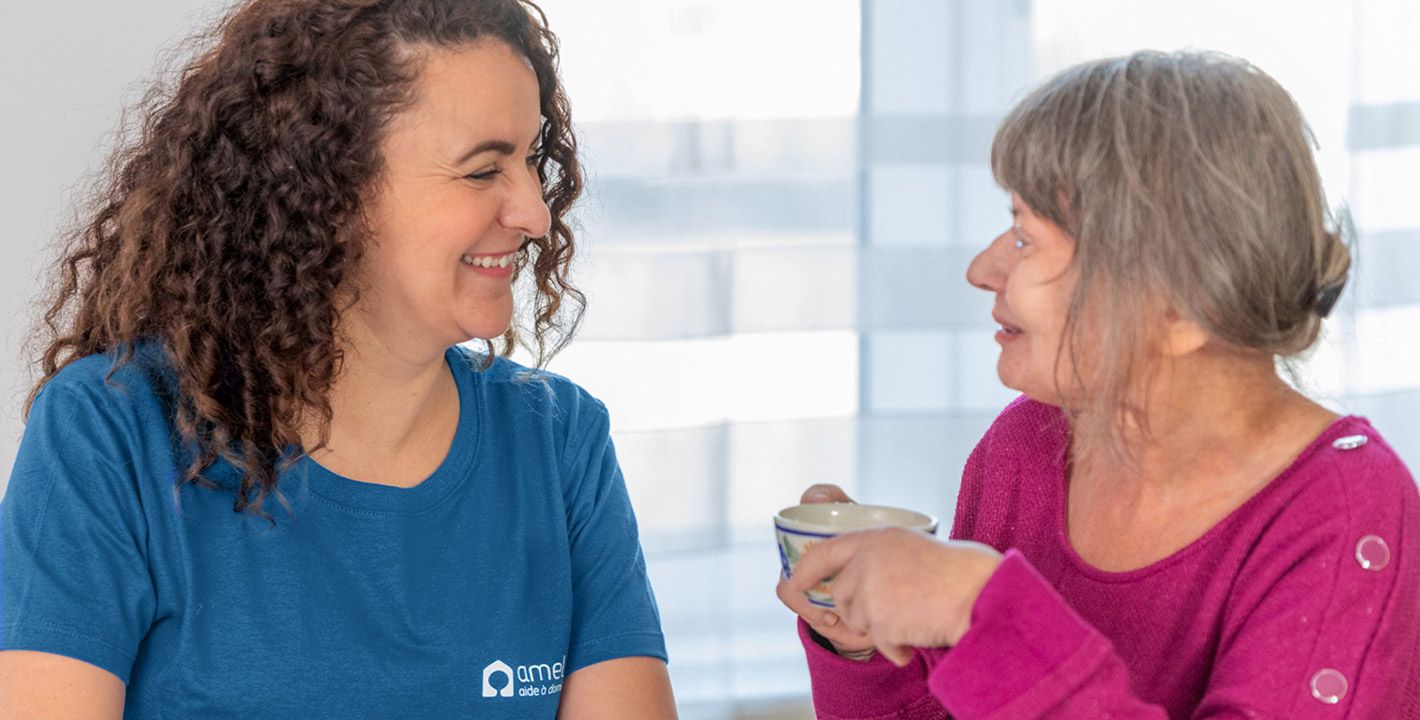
x=1372 y=553
x=1329 y=686
x=1350 y=442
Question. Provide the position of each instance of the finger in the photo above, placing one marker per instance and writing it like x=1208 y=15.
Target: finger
x=973 y=547
x=798 y=602
x=792 y=599
x=856 y=556
x=825 y=622
x=842 y=634
x=898 y=655
x=824 y=493
x=852 y=606
x=844 y=637
x=823 y=561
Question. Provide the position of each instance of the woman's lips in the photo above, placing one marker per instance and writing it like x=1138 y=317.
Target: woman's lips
x=499 y=266
x=1005 y=331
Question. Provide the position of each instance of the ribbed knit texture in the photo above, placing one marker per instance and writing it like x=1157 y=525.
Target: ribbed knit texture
x=1236 y=624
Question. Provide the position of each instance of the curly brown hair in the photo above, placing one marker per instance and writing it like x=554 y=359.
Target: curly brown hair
x=228 y=230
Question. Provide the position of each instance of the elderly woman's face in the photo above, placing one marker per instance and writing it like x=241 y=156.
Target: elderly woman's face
x=460 y=194
x=1027 y=267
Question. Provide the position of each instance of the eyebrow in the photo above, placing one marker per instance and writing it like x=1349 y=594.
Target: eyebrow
x=502 y=147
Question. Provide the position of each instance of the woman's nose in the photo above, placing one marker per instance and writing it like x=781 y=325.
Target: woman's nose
x=988 y=269
x=526 y=208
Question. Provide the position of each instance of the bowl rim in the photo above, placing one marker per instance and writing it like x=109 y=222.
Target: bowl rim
x=800 y=527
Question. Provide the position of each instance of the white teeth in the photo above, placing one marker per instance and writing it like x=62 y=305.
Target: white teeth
x=488 y=261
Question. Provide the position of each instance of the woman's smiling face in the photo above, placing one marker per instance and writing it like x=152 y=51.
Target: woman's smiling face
x=459 y=197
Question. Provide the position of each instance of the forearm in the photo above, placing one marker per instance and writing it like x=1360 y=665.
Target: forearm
x=628 y=688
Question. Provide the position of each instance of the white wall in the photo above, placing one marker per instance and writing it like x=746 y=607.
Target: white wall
x=67 y=69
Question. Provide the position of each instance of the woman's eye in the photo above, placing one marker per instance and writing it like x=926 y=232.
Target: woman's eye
x=484 y=174
x=1017 y=238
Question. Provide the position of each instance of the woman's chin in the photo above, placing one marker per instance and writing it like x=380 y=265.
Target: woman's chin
x=1009 y=375
x=1033 y=390
x=484 y=332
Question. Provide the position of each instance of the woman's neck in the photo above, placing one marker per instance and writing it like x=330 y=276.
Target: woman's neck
x=1212 y=416
x=1219 y=429
x=389 y=401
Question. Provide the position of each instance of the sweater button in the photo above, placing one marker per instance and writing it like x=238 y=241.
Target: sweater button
x=1372 y=553
x=1350 y=442
x=1329 y=686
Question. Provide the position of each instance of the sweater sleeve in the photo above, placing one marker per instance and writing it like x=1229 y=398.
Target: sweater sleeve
x=846 y=689
x=877 y=689
x=1323 y=624
x=1029 y=655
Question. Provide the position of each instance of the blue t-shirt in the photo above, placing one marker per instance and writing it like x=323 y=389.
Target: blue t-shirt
x=471 y=595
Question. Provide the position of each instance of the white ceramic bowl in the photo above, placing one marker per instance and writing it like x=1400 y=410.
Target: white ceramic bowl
x=799 y=528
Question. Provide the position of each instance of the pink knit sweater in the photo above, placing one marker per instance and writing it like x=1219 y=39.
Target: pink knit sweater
x=1303 y=603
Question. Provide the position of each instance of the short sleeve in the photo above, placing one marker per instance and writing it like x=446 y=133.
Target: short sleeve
x=74 y=576
x=613 y=608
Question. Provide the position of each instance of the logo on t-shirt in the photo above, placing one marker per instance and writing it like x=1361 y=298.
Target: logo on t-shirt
x=502 y=688
x=500 y=679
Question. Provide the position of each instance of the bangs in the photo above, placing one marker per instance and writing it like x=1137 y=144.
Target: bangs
x=1188 y=185
x=1057 y=137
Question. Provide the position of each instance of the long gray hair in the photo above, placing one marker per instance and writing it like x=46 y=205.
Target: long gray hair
x=1188 y=183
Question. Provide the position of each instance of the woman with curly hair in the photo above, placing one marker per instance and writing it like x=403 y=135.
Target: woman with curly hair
x=260 y=476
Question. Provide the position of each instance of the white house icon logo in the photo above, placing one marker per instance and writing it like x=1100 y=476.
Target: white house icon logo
x=497 y=667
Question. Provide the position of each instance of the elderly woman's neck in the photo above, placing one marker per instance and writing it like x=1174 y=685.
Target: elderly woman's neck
x=1214 y=415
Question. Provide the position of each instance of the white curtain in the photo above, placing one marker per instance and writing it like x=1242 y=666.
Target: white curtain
x=777 y=292
x=1379 y=335
x=785 y=199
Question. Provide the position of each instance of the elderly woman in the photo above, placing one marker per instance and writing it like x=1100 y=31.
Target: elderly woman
x=1161 y=527
x=260 y=476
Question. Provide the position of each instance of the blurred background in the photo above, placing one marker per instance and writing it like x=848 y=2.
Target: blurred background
x=783 y=198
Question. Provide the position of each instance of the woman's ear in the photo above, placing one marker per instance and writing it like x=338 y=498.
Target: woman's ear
x=1182 y=336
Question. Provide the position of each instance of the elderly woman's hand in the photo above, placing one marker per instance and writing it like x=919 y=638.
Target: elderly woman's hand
x=845 y=640
x=895 y=589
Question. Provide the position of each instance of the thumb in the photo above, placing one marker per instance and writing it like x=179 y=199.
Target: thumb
x=899 y=655
x=824 y=493
x=823 y=562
